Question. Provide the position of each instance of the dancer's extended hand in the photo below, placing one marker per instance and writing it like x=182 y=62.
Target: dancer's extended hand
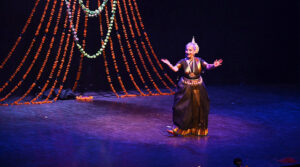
x=218 y=63
x=166 y=61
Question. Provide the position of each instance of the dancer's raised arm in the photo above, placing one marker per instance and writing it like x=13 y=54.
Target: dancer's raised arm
x=217 y=63
x=174 y=68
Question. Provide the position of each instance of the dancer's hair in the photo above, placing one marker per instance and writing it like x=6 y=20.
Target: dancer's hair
x=194 y=45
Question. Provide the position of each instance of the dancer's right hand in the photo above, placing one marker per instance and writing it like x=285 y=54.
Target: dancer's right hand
x=166 y=61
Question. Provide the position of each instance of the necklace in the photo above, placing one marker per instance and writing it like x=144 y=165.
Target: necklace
x=191 y=70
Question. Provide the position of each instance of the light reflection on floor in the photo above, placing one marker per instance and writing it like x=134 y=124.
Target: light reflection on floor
x=258 y=124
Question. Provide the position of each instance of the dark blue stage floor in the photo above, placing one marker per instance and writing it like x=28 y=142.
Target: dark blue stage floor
x=259 y=124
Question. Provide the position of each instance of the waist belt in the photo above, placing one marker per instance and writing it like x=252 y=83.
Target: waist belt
x=187 y=81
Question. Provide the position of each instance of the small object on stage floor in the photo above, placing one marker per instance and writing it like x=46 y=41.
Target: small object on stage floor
x=84 y=98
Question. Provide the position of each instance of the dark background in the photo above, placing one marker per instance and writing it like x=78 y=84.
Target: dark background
x=258 y=40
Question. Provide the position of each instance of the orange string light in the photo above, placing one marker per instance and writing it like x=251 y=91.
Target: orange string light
x=20 y=36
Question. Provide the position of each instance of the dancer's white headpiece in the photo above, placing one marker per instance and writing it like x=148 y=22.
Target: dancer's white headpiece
x=196 y=47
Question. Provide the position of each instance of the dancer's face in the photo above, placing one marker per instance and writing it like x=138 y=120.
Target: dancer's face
x=189 y=51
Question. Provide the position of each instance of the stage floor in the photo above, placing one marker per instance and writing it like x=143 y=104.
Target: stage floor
x=259 y=124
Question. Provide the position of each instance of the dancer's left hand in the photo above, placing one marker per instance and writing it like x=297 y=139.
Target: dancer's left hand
x=218 y=63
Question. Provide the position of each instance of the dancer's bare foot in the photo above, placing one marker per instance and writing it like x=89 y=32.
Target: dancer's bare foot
x=172 y=132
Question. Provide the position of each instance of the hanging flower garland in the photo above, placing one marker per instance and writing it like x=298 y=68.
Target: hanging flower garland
x=81 y=49
x=92 y=13
x=131 y=52
x=105 y=58
x=148 y=41
x=79 y=70
x=21 y=34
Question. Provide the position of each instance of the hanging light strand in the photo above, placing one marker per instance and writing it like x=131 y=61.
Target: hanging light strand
x=60 y=66
x=83 y=46
x=149 y=43
x=125 y=61
x=105 y=60
x=130 y=49
x=63 y=57
x=32 y=63
x=138 y=51
x=145 y=50
x=67 y=69
x=62 y=39
x=33 y=101
x=45 y=60
x=144 y=47
x=62 y=63
x=113 y=53
x=27 y=52
x=21 y=34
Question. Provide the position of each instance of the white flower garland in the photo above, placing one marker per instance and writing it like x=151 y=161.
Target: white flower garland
x=99 y=52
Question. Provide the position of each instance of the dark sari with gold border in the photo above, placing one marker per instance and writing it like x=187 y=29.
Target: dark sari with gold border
x=191 y=102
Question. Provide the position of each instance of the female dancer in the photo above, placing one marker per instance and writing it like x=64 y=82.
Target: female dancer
x=191 y=103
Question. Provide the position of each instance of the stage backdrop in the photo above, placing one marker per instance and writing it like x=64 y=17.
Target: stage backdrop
x=258 y=40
